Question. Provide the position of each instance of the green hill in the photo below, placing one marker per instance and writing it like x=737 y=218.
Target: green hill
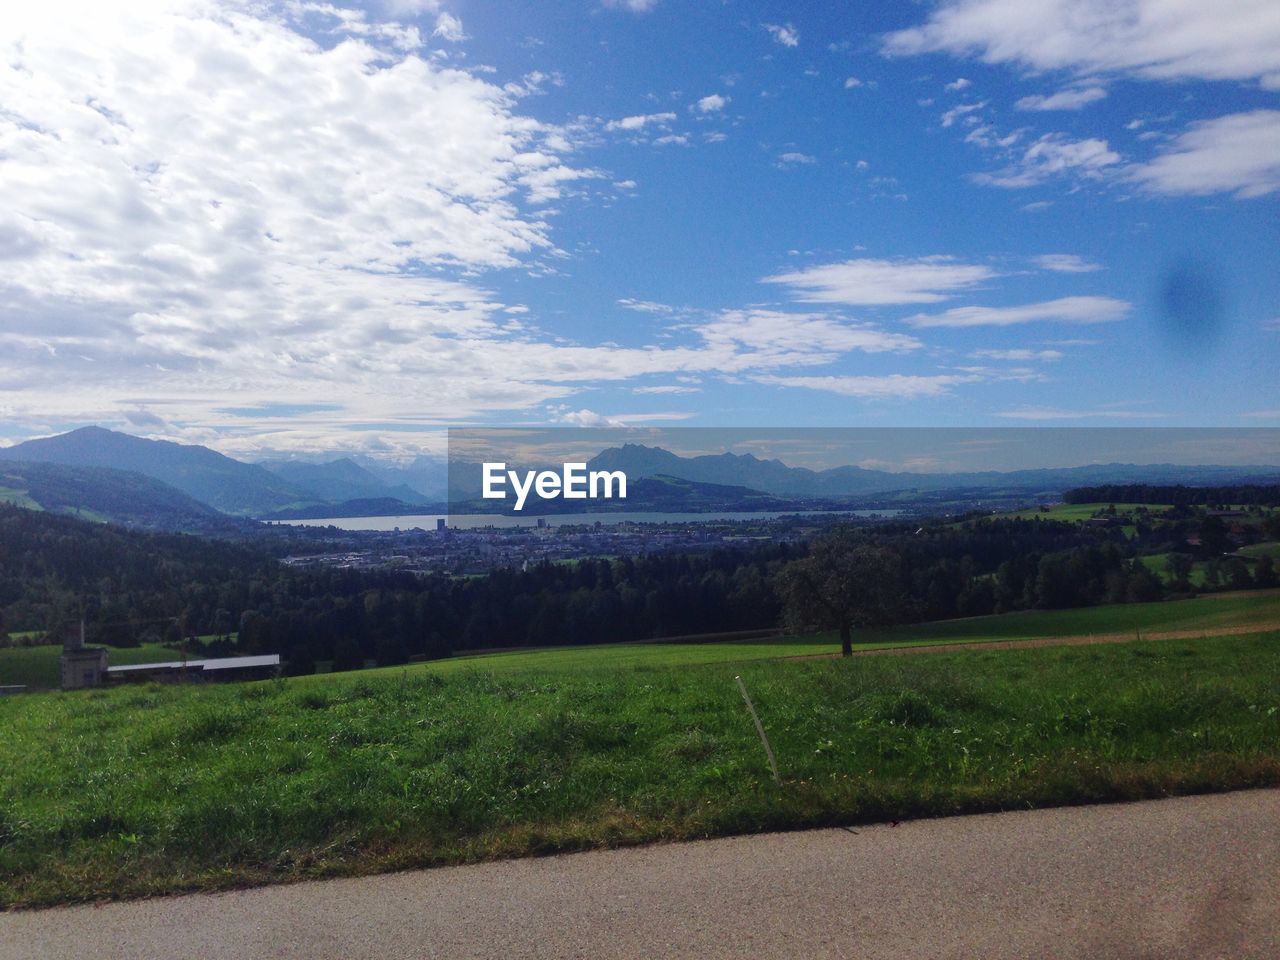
x=216 y=480
x=101 y=493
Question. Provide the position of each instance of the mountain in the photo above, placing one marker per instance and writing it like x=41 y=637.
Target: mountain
x=360 y=507
x=223 y=483
x=655 y=494
x=775 y=477
x=425 y=475
x=339 y=480
x=747 y=470
x=100 y=493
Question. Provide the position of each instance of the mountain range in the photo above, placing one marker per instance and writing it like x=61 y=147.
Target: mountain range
x=116 y=476
x=779 y=479
x=340 y=480
x=100 y=493
x=213 y=479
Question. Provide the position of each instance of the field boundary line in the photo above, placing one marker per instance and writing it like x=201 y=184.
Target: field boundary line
x=1076 y=640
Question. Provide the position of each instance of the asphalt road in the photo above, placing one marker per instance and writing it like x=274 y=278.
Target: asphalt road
x=1192 y=877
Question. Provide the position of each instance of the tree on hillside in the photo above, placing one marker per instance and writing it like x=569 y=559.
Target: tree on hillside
x=842 y=584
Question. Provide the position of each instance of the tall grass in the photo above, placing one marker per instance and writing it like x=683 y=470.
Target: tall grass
x=140 y=790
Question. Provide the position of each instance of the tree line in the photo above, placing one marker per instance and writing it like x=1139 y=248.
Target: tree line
x=131 y=587
x=1180 y=496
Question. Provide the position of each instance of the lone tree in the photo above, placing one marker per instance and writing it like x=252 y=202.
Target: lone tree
x=840 y=585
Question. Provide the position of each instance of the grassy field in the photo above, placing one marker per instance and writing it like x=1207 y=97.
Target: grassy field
x=1207 y=614
x=140 y=790
x=1270 y=549
x=1158 y=563
x=1082 y=511
x=18 y=497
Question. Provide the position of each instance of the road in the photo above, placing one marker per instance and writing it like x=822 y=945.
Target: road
x=1194 y=877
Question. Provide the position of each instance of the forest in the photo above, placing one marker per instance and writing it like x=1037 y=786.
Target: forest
x=132 y=586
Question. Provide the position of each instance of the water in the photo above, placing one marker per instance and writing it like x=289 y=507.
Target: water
x=476 y=521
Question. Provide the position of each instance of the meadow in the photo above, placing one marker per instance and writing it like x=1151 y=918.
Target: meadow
x=149 y=789
x=1208 y=613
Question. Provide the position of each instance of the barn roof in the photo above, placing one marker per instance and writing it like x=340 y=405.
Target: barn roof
x=221 y=663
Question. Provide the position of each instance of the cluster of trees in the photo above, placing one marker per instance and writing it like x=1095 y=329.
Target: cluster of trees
x=127 y=584
x=132 y=586
x=1240 y=494
x=350 y=617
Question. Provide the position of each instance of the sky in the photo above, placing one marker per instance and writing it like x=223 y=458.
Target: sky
x=304 y=228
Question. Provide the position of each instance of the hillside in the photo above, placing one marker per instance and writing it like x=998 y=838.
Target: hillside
x=779 y=479
x=57 y=568
x=228 y=485
x=357 y=774
x=339 y=480
x=101 y=493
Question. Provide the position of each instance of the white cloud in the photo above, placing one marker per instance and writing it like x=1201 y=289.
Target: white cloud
x=775 y=333
x=640 y=121
x=402 y=8
x=851 y=83
x=791 y=159
x=585 y=418
x=449 y=27
x=635 y=6
x=1238 y=153
x=195 y=208
x=1073 y=98
x=785 y=34
x=671 y=388
x=645 y=306
x=957 y=113
x=712 y=102
x=1018 y=355
x=959 y=83
x=1063 y=310
x=1065 y=263
x=875 y=282
x=1151 y=39
x=1054 y=155
x=894 y=386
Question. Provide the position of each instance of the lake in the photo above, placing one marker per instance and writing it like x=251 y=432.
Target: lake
x=478 y=520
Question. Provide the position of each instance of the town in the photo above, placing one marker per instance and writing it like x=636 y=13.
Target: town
x=462 y=551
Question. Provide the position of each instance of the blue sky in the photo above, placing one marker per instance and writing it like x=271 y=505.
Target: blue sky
x=309 y=227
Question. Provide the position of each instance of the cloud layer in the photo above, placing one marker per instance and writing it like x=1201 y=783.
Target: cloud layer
x=1152 y=39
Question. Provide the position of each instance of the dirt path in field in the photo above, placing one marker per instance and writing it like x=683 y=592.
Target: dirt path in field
x=1184 y=879
x=1077 y=640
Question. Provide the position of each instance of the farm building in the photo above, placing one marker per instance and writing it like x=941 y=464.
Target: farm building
x=84 y=666
x=223 y=669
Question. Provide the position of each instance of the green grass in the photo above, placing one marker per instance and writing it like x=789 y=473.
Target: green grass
x=1270 y=549
x=1081 y=511
x=1202 y=613
x=1158 y=563
x=19 y=497
x=38 y=666
x=142 y=790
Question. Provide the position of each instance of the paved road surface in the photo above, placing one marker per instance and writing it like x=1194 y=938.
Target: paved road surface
x=1193 y=877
